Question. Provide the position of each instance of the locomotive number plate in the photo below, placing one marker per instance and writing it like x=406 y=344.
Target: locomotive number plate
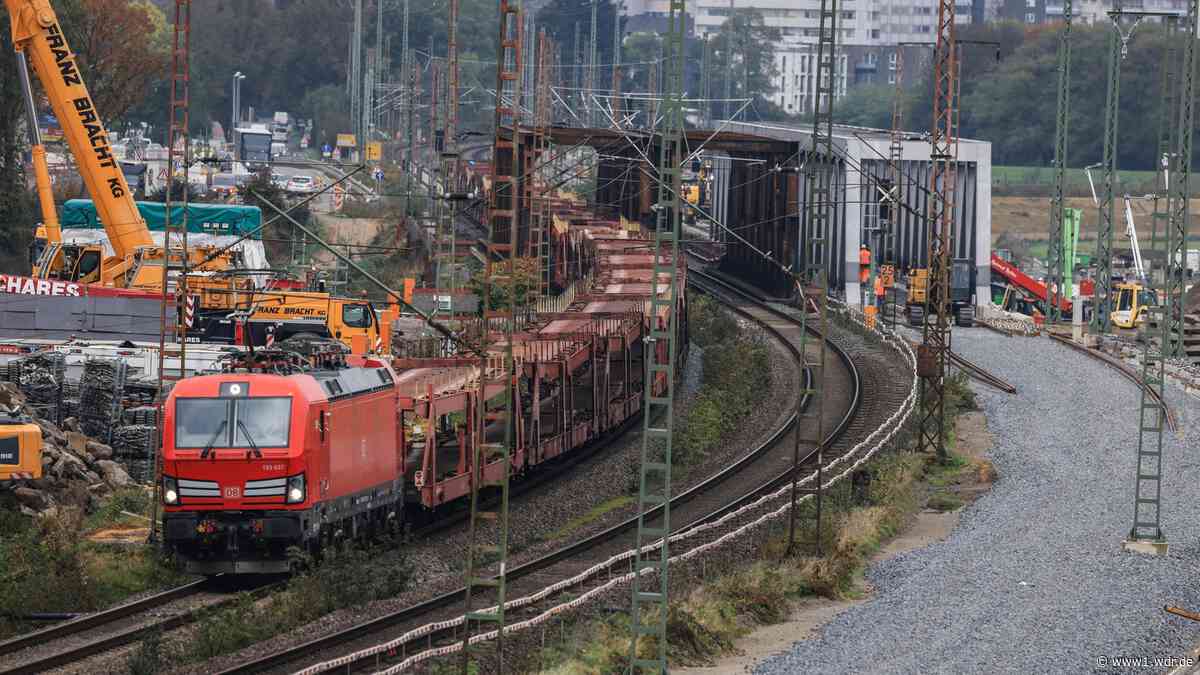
x=232 y=492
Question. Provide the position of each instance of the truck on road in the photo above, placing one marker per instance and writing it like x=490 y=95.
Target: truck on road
x=280 y=127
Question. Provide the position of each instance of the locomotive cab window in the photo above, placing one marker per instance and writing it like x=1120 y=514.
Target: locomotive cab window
x=232 y=422
x=356 y=316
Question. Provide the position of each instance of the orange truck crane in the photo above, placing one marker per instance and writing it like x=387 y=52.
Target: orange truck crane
x=136 y=261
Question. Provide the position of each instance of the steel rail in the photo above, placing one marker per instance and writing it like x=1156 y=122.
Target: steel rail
x=1127 y=372
x=124 y=637
x=572 y=550
x=97 y=619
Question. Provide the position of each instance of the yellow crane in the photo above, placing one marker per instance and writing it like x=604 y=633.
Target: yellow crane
x=137 y=261
x=40 y=43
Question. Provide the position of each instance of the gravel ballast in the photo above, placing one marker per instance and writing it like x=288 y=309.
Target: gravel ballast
x=1034 y=578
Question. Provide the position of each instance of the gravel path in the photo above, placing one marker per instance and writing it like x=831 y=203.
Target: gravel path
x=1034 y=578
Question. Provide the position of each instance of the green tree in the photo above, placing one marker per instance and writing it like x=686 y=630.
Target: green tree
x=866 y=106
x=751 y=40
x=525 y=278
x=558 y=18
x=277 y=236
x=326 y=107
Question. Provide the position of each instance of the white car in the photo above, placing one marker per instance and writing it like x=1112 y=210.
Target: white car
x=301 y=185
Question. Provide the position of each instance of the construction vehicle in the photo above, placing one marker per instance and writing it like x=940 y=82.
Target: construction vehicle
x=136 y=262
x=20 y=447
x=1130 y=301
x=962 y=293
x=268 y=316
x=1131 y=298
x=1024 y=294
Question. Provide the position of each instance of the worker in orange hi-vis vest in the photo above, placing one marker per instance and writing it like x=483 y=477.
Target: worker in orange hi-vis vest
x=864 y=264
x=879 y=291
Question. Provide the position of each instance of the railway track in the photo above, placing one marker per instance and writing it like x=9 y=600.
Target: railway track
x=1125 y=370
x=976 y=372
x=93 y=634
x=102 y=631
x=702 y=516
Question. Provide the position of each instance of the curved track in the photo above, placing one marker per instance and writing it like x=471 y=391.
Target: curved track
x=704 y=511
x=1125 y=370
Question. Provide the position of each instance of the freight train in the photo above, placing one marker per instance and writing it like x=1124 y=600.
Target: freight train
x=285 y=451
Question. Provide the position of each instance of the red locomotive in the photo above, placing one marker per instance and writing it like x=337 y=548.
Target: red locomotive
x=255 y=463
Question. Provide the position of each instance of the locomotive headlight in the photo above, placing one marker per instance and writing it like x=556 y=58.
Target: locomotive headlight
x=170 y=491
x=295 y=489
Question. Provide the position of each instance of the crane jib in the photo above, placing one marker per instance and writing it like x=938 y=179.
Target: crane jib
x=84 y=108
x=62 y=56
x=97 y=137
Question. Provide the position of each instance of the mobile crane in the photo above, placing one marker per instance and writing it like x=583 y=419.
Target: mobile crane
x=137 y=262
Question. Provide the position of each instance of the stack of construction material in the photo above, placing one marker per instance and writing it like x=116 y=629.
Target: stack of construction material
x=40 y=377
x=77 y=471
x=134 y=443
x=100 y=392
x=140 y=392
x=1191 y=335
x=143 y=414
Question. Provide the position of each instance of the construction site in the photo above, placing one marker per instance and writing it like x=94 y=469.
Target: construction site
x=549 y=374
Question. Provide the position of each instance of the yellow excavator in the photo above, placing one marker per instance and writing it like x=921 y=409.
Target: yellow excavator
x=1130 y=301
x=20 y=447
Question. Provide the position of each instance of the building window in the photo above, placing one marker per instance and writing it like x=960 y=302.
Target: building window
x=874 y=33
x=872 y=58
x=1031 y=3
x=891 y=78
x=923 y=29
x=1030 y=17
x=784 y=68
x=891 y=60
x=849 y=16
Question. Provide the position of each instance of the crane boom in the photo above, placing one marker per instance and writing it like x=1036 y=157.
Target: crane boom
x=37 y=34
x=37 y=151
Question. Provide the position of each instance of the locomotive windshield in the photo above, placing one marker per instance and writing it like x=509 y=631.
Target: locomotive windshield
x=232 y=422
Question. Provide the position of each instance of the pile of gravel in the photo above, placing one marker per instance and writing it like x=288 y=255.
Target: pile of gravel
x=1034 y=578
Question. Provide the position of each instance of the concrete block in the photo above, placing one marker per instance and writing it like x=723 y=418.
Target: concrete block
x=1155 y=548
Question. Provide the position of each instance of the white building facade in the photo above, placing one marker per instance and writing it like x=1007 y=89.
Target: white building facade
x=868 y=32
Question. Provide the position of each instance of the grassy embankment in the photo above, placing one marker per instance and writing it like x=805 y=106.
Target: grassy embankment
x=351 y=576
x=49 y=565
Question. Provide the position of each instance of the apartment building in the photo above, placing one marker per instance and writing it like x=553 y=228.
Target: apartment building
x=868 y=34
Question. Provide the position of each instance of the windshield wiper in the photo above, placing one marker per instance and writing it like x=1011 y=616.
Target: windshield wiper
x=212 y=441
x=250 y=440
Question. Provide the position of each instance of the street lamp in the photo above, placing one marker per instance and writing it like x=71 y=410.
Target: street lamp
x=237 y=102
